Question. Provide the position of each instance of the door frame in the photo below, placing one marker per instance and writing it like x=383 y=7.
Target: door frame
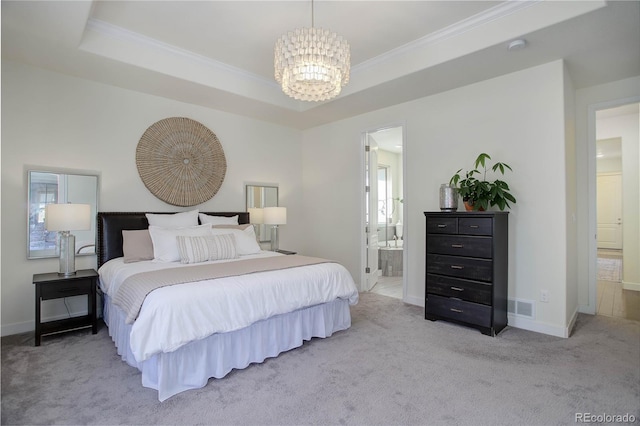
x=405 y=209
x=592 y=220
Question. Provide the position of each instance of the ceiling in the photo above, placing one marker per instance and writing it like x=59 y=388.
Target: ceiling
x=219 y=54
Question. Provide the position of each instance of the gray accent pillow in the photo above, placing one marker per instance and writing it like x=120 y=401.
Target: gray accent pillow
x=137 y=246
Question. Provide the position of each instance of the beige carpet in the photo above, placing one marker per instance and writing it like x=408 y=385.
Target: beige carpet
x=609 y=269
x=390 y=368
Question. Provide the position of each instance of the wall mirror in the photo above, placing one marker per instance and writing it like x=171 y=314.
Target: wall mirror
x=261 y=196
x=51 y=187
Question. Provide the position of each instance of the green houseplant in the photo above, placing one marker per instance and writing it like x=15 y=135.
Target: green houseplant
x=477 y=192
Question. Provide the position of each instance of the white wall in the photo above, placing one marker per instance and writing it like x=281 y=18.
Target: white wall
x=518 y=119
x=588 y=100
x=58 y=121
x=521 y=119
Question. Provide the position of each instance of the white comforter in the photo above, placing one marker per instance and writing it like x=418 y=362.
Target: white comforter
x=173 y=316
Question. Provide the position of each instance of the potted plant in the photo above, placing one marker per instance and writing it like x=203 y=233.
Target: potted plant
x=480 y=194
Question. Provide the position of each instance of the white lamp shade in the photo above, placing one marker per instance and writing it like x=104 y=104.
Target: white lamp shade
x=255 y=215
x=67 y=217
x=274 y=215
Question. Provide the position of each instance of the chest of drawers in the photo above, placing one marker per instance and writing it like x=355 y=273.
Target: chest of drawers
x=467 y=269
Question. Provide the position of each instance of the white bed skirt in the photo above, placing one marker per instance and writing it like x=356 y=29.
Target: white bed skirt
x=191 y=366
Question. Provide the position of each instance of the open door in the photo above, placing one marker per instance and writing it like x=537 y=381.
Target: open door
x=371 y=203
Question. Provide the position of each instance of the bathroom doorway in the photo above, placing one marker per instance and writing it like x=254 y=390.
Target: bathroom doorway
x=384 y=215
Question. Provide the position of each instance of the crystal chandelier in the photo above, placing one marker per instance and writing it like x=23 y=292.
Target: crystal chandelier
x=312 y=64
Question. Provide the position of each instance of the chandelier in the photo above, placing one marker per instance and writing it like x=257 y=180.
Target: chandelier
x=312 y=64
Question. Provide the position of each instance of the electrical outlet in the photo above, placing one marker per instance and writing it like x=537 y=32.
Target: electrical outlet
x=544 y=296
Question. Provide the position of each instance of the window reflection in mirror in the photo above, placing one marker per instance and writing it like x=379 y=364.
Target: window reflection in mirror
x=261 y=196
x=51 y=187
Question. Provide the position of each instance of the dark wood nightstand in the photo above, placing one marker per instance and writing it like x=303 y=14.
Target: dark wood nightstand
x=285 y=251
x=54 y=286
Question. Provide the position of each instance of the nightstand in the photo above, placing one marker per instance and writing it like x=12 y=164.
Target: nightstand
x=54 y=286
x=285 y=251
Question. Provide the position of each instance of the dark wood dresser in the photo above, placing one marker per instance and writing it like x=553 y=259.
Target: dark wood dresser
x=467 y=269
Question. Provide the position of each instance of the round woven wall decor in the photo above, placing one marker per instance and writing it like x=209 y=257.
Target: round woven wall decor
x=181 y=161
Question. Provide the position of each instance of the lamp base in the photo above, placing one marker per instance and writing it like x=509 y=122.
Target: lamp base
x=274 y=238
x=67 y=254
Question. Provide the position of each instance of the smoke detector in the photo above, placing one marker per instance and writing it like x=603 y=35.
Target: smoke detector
x=517 y=44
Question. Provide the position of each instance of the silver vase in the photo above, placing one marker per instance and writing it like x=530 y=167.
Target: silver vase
x=448 y=198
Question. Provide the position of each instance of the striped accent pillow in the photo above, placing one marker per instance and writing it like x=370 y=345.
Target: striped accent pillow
x=203 y=248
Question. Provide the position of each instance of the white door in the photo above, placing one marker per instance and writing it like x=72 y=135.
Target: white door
x=609 y=205
x=371 y=190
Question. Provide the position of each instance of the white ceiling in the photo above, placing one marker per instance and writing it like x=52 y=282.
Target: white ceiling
x=219 y=54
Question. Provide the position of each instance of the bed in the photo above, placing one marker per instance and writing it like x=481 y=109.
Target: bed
x=185 y=333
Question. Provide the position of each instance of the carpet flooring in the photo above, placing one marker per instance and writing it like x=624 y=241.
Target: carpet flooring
x=390 y=368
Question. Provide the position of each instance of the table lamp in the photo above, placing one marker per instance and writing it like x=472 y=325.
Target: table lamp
x=65 y=218
x=256 y=219
x=274 y=216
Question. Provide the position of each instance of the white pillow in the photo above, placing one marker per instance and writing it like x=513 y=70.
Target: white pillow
x=245 y=238
x=218 y=220
x=165 y=244
x=211 y=247
x=175 y=220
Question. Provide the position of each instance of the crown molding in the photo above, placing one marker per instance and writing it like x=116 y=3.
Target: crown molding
x=118 y=33
x=492 y=14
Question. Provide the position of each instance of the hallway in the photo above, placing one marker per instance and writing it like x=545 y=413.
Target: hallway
x=612 y=299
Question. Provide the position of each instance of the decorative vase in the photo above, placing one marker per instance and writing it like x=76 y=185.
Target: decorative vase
x=448 y=198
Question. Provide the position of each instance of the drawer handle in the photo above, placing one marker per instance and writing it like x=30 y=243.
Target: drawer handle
x=457 y=288
x=441 y=225
x=457 y=245
x=455 y=310
x=457 y=267
x=474 y=226
x=68 y=290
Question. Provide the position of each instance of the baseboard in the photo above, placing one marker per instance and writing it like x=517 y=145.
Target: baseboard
x=412 y=300
x=17 y=328
x=520 y=322
x=587 y=309
x=527 y=324
x=28 y=326
x=626 y=285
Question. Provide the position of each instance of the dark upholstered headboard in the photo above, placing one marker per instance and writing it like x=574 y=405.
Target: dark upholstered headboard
x=110 y=227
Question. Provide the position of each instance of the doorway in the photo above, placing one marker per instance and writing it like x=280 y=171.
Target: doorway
x=613 y=139
x=385 y=236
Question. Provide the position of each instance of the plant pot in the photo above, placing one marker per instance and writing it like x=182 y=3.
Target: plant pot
x=469 y=207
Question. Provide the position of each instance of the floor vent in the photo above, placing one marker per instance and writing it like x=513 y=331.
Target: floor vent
x=521 y=307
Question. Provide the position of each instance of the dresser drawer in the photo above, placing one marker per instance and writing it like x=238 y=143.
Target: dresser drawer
x=65 y=289
x=460 y=245
x=461 y=267
x=471 y=291
x=475 y=226
x=444 y=225
x=459 y=310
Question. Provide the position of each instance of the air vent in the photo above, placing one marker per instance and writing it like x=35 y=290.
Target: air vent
x=521 y=308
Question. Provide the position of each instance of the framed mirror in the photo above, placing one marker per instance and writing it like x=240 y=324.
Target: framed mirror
x=260 y=196
x=54 y=187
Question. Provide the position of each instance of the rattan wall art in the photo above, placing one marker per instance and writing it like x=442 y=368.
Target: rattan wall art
x=181 y=161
